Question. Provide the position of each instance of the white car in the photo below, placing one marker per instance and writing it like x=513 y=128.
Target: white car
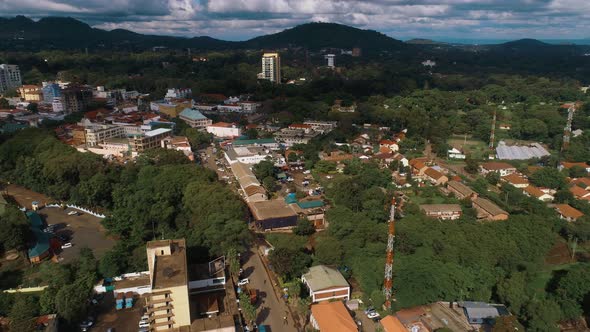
x=72 y=213
x=373 y=314
x=144 y=324
x=243 y=282
x=66 y=245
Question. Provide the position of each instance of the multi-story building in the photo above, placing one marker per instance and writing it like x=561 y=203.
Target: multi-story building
x=330 y=60
x=442 y=211
x=98 y=134
x=178 y=93
x=149 y=140
x=57 y=105
x=195 y=119
x=271 y=67
x=168 y=304
x=9 y=77
x=30 y=93
x=76 y=98
x=50 y=92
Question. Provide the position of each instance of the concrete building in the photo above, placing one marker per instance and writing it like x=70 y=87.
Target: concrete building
x=273 y=214
x=271 y=67
x=50 y=92
x=460 y=190
x=76 y=98
x=178 y=93
x=326 y=284
x=195 y=119
x=332 y=317
x=168 y=304
x=97 y=134
x=149 y=140
x=9 y=77
x=31 y=93
x=499 y=167
x=224 y=129
x=330 y=60
x=442 y=211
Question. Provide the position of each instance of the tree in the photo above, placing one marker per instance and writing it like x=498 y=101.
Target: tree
x=512 y=291
x=289 y=262
x=264 y=169
x=233 y=262
x=564 y=196
x=577 y=172
x=248 y=309
x=71 y=301
x=251 y=133
x=548 y=177
x=304 y=227
x=23 y=313
x=269 y=183
x=324 y=166
x=328 y=250
x=543 y=315
x=4 y=103
x=15 y=229
x=493 y=178
x=471 y=166
x=33 y=107
x=112 y=263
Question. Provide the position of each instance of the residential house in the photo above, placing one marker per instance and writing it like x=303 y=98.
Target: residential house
x=479 y=312
x=178 y=93
x=195 y=119
x=435 y=177
x=224 y=129
x=332 y=317
x=580 y=193
x=249 y=106
x=532 y=191
x=460 y=190
x=179 y=143
x=567 y=212
x=229 y=108
x=325 y=284
x=515 y=179
x=418 y=167
x=442 y=211
x=391 y=323
x=569 y=165
x=322 y=127
x=583 y=183
x=389 y=144
x=488 y=210
x=499 y=167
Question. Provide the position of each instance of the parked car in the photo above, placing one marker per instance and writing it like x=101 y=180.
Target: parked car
x=72 y=213
x=66 y=245
x=373 y=315
x=85 y=325
x=243 y=282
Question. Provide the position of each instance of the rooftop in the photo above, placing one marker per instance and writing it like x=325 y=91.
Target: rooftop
x=321 y=277
x=158 y=131
x=192 y=114
x=515 y=179
x=568 y=211
x=434 y=208
x=520 y=152
x=432 y=173
x=169 y=270
x=391 y=323
x=223 y=125
x=259 y=141
x=276 y=208
x=333 y=317
x=460 y=187
x=496 y=166
x=489 y=207
x=534 y=191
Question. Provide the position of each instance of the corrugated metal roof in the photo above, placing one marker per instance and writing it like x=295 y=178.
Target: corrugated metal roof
x=192 y=114
x=322 y=277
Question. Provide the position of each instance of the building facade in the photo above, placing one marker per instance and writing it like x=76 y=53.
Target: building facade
x=31 y=93
x=195 y=119
x=50 y=92
x=271 y=67
x=76 y=98
x=9 y=77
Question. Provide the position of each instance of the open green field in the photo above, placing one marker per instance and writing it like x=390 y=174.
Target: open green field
x=475 y=148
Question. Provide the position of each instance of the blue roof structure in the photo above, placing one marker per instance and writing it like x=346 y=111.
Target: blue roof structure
x=310 y=204
x=192 y=114
x=41 y=238
x=291 y=198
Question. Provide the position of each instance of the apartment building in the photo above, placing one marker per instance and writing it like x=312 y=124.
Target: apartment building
x=149 y=140
x=76 y=98
x=271 y=67
x=98 y=134
x=9 y=77
x=195 y=119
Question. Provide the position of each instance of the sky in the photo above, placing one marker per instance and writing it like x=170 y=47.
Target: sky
x=448 y=20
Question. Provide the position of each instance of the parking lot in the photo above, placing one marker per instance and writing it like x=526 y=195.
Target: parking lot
x=82 y=230
x=124 y=320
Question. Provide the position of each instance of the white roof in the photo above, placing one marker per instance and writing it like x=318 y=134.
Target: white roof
x=157 y=132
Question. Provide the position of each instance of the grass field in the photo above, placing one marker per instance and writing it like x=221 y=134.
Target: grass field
x=475 y=148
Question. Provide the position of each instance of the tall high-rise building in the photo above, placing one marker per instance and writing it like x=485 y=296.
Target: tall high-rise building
x=330 y=58
x=271 y=67
x=50 y=91
x=75 y=98
x=9 y=77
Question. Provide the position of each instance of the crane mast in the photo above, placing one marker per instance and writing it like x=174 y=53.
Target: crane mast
x=388 y=282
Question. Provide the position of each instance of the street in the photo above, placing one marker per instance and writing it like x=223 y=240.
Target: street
x=271 y=309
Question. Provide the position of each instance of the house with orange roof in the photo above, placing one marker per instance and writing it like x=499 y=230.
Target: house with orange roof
x=515 y=179
x=569 y=165
x=332 y=317
x=499 y=167
x=580 y=193
x=567 y=212
x=537 y=193
x=435 y=177
x=389 y=144
x=391 y=323
x=418 y=167
x=581 y=182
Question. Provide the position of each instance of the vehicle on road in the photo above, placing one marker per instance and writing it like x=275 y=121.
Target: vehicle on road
x=72 y=213
x=66 y=245
x=87 y=324
x=369 y=309
x=243 y=282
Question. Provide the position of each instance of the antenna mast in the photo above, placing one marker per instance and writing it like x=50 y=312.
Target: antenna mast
x=388 y=282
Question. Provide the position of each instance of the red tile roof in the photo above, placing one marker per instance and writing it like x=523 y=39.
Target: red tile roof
x=515 y=179
x=496 y=166
x=391 y=323
x=568 y=211
x=579 y=192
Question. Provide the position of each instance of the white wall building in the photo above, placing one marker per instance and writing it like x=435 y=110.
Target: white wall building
x=224 y=129
x=271 y=67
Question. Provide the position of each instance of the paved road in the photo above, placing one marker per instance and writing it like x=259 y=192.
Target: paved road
x=271 y=310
